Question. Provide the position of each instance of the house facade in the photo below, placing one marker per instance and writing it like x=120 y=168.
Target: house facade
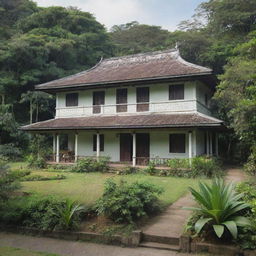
x=134 y=109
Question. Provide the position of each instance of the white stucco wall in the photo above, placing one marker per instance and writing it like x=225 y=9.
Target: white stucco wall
x=159 y=143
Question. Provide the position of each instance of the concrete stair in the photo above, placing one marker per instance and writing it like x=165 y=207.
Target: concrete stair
x=160 y=246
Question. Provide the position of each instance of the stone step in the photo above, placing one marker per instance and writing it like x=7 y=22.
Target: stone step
x=160 y=239
x=160 y=246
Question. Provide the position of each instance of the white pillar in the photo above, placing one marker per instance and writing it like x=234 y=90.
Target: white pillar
x=210 y=138
x=98 y=146
x=216 y=144
x=54 y=146
x=190 y=147
x=76 y=147
x=207 y=143
x=134 y=149
x=58 y=148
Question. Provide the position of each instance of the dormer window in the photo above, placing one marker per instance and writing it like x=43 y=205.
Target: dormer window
x=176 y=92
x=71 y=99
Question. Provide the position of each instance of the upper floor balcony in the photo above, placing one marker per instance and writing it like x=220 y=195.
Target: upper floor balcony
x=132 y=108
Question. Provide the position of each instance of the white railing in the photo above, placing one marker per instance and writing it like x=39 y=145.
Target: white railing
x=122 y=109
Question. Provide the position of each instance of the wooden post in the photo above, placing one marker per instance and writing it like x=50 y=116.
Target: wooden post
x=190 y=147
x=216 y=144
x=76 y=147
x=98 y=147
x=134 y=149
x=58 y=148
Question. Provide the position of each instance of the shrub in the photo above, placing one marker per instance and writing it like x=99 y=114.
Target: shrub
x=151 y=168
x=177 y=164
x=219 y=208
x=37 y=177
x=205 y=167
x=36 y=162
x=250 y=166
x=39 y=212
x=126 y=203
x=10 y=151
x=128 y=170
x=91 y=165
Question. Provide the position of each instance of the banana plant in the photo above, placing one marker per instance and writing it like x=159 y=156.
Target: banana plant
x=220 y=206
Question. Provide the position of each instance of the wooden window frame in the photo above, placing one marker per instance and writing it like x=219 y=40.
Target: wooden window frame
x=144 y=106
x=94 y=142
x=179 y=148
x=121 y=100
x=176 y=92
x=97 y=107
x=72 y=102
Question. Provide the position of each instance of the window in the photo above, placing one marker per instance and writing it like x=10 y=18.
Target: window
x=142 y=96
x=98 y=100
x=95 y=142
x=121 y=97
x=71 y=99
x=176 y=92
x=177 y=143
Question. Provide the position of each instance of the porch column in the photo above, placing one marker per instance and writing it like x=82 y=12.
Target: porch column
x=207 y=143
x=54 y=146
x=76 y=147
x=210 y=138
x=190 y=147
x=134 y=149
x=216 y=144
x=57 y=148
x=98 y=146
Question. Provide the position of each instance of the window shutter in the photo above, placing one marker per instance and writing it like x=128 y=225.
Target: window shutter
x=142 y=96
x=177 y=143
x=71 y=99
x=176 y=92
x=121 y=97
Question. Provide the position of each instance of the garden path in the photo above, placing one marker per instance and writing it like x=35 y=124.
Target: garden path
x=171 y=222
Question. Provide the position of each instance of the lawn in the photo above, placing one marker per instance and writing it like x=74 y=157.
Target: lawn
x=10 y=251
x=88 y=187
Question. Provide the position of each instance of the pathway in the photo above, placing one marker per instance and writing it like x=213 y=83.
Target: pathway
x=75 y=248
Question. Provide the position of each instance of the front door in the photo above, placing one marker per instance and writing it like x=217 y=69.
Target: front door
x=142 y=148
x=125 y=147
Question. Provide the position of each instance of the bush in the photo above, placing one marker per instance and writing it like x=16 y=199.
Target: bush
x=220 y=209
x=91 y=165
x=250 y=166
x=10 y=152
x=38 y=212
x=126 y=203
x=36 y=162
x=205 y=167
x=128 y=170
x=151 y=168
x=37 y=177
x=178 y=164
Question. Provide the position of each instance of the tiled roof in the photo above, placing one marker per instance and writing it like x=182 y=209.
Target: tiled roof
x=131 y=121
x=152 y=65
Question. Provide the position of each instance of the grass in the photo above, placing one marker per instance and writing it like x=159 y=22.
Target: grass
x=86 y=188
x=10 y=251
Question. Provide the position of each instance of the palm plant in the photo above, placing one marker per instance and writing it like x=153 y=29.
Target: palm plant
x=68 y=214
x=219 y=206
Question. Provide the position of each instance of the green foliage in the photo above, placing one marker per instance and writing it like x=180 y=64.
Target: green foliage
x=91 y=165
x=126 y=203
x=151 y=168
x=220 y=208
x=68 y=215
x=37 y=177
x=250 y=166
x=10 y=151
x=128 y=170
x=44 y=213
x=36 y=162
x=8 y=181
x=177 y=164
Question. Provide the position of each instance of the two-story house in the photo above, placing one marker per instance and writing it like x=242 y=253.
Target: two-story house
x=134 y=109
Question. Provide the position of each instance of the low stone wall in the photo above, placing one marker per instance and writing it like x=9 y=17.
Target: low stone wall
x=132 y=241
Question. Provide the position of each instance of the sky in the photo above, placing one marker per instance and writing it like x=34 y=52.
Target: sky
x=165 y=13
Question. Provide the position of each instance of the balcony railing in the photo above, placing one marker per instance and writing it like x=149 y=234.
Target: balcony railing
x=167 y=106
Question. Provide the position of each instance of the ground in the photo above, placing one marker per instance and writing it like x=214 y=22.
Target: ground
x=11 y=251
x=88 y=187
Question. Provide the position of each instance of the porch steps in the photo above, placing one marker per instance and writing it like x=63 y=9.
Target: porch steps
x=160 y=246
x=160 y=242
